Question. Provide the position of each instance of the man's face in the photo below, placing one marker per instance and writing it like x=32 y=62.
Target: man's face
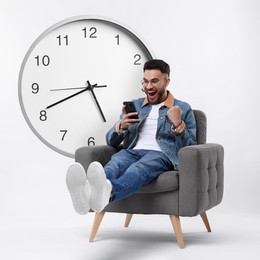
x=155 y=83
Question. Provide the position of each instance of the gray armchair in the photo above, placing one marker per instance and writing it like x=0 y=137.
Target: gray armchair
x=191 y=191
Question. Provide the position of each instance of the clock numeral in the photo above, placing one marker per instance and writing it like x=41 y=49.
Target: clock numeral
x=117 y=37
x=63 y=40
x=45 y=60
x=137 y=58
x=91 y=141
x=85 y=32
x=64 y=132
x=43 y=115
x=35 y=88
x=92 y=30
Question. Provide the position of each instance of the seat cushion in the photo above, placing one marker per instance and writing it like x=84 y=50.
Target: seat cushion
x=167 y=181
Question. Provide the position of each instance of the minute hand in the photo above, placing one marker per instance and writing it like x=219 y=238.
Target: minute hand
x=99 y=108
x=71 y=96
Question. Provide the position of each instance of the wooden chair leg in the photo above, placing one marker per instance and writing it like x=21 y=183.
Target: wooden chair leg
x=175 y=220
x=95 y=226
x=128 y=219
x=205 y=220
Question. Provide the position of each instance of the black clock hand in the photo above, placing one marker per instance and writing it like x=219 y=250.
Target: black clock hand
x=89 y=87
x=71 y=96
x=95 y=98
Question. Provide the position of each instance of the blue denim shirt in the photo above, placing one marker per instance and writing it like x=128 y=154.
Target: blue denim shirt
x=169 y=142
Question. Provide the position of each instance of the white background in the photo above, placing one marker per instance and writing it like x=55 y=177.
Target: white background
x=213 y=49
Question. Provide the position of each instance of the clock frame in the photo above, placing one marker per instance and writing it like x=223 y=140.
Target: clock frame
x=74 y=78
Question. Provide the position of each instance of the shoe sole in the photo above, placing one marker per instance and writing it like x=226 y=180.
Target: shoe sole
x=100 y=192
x=79 y=188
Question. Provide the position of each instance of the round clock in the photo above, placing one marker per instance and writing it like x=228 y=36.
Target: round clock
x=75 y=77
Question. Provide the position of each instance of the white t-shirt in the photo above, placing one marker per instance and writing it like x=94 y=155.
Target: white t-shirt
x=146 y=139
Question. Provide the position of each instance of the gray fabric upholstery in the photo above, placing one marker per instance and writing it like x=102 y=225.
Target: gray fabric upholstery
x=168 y=181
x=197 y=187
x=201 y=178
x=87 y=154
x=201 y=124
x=147 y=203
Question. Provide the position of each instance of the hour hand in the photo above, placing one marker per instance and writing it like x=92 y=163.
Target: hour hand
x=66 y=98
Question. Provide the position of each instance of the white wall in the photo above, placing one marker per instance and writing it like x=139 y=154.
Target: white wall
x=213 y=49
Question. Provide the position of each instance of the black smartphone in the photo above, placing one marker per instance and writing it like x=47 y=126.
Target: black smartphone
x=130 y=107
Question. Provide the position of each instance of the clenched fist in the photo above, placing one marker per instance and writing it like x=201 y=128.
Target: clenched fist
x=174 y=114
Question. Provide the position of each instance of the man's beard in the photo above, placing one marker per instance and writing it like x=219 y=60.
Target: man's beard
x=157 y=98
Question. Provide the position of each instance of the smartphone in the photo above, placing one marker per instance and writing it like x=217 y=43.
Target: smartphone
x=130 y=107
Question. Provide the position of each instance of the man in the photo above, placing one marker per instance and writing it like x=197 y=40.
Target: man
x=164 y=125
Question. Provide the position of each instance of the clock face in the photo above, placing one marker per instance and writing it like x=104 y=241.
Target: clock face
x=74 y=79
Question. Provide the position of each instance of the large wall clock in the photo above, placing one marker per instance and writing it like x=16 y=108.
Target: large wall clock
x=75 y=77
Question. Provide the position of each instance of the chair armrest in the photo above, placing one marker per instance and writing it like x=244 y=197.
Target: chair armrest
x=87 y=154
x=201 y=178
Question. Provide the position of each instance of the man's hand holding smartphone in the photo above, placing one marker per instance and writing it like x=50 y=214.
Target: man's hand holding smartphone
x=130 y=115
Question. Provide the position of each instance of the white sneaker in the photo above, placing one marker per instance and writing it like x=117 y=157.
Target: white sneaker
x=79 y=188
x=100 y=187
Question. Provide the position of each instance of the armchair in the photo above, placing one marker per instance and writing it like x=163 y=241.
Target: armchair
x=191 y=191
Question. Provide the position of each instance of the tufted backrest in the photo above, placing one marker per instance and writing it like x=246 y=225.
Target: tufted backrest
x=201 y=125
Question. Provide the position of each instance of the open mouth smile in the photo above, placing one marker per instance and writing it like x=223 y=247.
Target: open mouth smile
x=151 y=94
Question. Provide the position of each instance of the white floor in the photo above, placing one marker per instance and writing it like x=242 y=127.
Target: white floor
x=148 y=237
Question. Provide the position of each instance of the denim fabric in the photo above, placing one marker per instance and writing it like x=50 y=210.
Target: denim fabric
x=169 y=143
x=129 y=170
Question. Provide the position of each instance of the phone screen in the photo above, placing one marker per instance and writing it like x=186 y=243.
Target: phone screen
x=130 y=107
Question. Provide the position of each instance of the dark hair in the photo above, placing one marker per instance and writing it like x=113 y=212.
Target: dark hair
x=157 y=65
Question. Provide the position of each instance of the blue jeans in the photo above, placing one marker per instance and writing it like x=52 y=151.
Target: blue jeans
x=129 y=170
